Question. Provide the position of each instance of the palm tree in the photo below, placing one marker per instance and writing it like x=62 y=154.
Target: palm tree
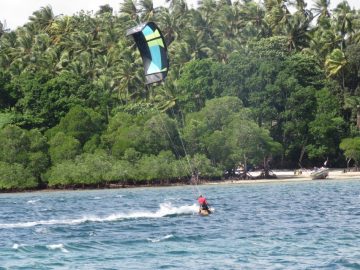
x=8 y=43
x=321 y=9
x=276 y=15
x=85 y=42
x=23 y=49
x=230 y=22
x=179 y=53
x=104 y=9
x=198 y=42
x=324 y=39
x=208 y=10
x=43 y=18
x=171 y=25
x=253 y=15
x=296 y=32
x=147 y=10
x=202 y=24
x=129 y=9
x=177 y=6
x=129 y=77
x=3 y=28
x=61 y=28
x=164 y=97
x=344 y=21
x=335 y=64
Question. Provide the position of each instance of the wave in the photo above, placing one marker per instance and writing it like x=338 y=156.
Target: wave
x=155 y=240
x=166 y=209
x=24 y=247
x=18 y=246
x=33 y=201
x=57 y=247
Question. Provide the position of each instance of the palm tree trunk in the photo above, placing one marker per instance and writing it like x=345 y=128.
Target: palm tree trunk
x=245 y=168
x=301 y=155
x=358 y=117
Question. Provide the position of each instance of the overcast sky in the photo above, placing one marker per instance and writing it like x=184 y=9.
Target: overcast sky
x=17 y=12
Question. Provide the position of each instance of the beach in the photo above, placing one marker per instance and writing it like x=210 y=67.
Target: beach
x=290 y=176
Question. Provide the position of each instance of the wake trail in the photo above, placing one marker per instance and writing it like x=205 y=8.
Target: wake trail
x=166 y=209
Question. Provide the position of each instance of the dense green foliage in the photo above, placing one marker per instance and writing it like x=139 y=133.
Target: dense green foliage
x=249 y=83
x=351 y=148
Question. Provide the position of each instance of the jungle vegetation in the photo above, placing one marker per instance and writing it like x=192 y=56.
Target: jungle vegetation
x=271 y=84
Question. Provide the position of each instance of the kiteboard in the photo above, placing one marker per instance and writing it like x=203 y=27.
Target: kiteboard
x=204 y=212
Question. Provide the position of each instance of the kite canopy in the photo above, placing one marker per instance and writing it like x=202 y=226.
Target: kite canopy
x=152 y=47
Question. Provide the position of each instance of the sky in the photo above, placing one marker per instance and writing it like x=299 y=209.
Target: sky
x=16 y=12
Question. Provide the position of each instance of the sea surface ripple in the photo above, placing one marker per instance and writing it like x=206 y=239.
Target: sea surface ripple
x=302 y=225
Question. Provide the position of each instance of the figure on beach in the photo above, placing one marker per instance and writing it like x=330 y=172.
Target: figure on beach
x=326 y=162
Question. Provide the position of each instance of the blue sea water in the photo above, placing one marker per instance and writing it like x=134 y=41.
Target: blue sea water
x=302 y=225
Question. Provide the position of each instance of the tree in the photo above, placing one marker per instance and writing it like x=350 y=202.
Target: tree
x=300 y=110
x=197 y=84
x=321 y=9
x=224 y=132
x=297 y=31
x=122 y=133
x=3 y=28
x=344 y=19
x=335 y=64
x=327 y=128
x=14 y=145
x=104 y=9
x=80 y=123
x=43 y=100
x=15 y=177
x=147 y=10
x=351 y=148
x=63 y=147
x=277 y=14
x=159 y=133
x=25 y=148
x=43 y=18
x=204 y=168
x=128 y=8
x=39 y=159
x=251 y=144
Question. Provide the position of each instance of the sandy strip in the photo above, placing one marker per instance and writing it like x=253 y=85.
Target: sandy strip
x=289 y=176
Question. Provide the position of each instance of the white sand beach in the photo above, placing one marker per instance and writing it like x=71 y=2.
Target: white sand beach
x=290 y=176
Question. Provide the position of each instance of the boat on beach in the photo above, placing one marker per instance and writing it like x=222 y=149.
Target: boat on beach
x=319 y=173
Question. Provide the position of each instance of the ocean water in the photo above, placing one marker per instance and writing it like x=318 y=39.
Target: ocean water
x=302 y=225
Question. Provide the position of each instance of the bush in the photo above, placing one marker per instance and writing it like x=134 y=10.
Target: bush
x=16 y=176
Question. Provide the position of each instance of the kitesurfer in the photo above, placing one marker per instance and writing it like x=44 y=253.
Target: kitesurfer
x=203 y=203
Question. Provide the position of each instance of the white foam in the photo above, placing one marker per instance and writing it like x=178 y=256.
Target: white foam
x=166 y=209
x=33 y=201
x=41 y=230
x=57 y=246
x=156 y=240
x=17 y=246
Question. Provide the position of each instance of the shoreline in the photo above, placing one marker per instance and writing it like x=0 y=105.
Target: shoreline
x=283 y=176
x=283 y=180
